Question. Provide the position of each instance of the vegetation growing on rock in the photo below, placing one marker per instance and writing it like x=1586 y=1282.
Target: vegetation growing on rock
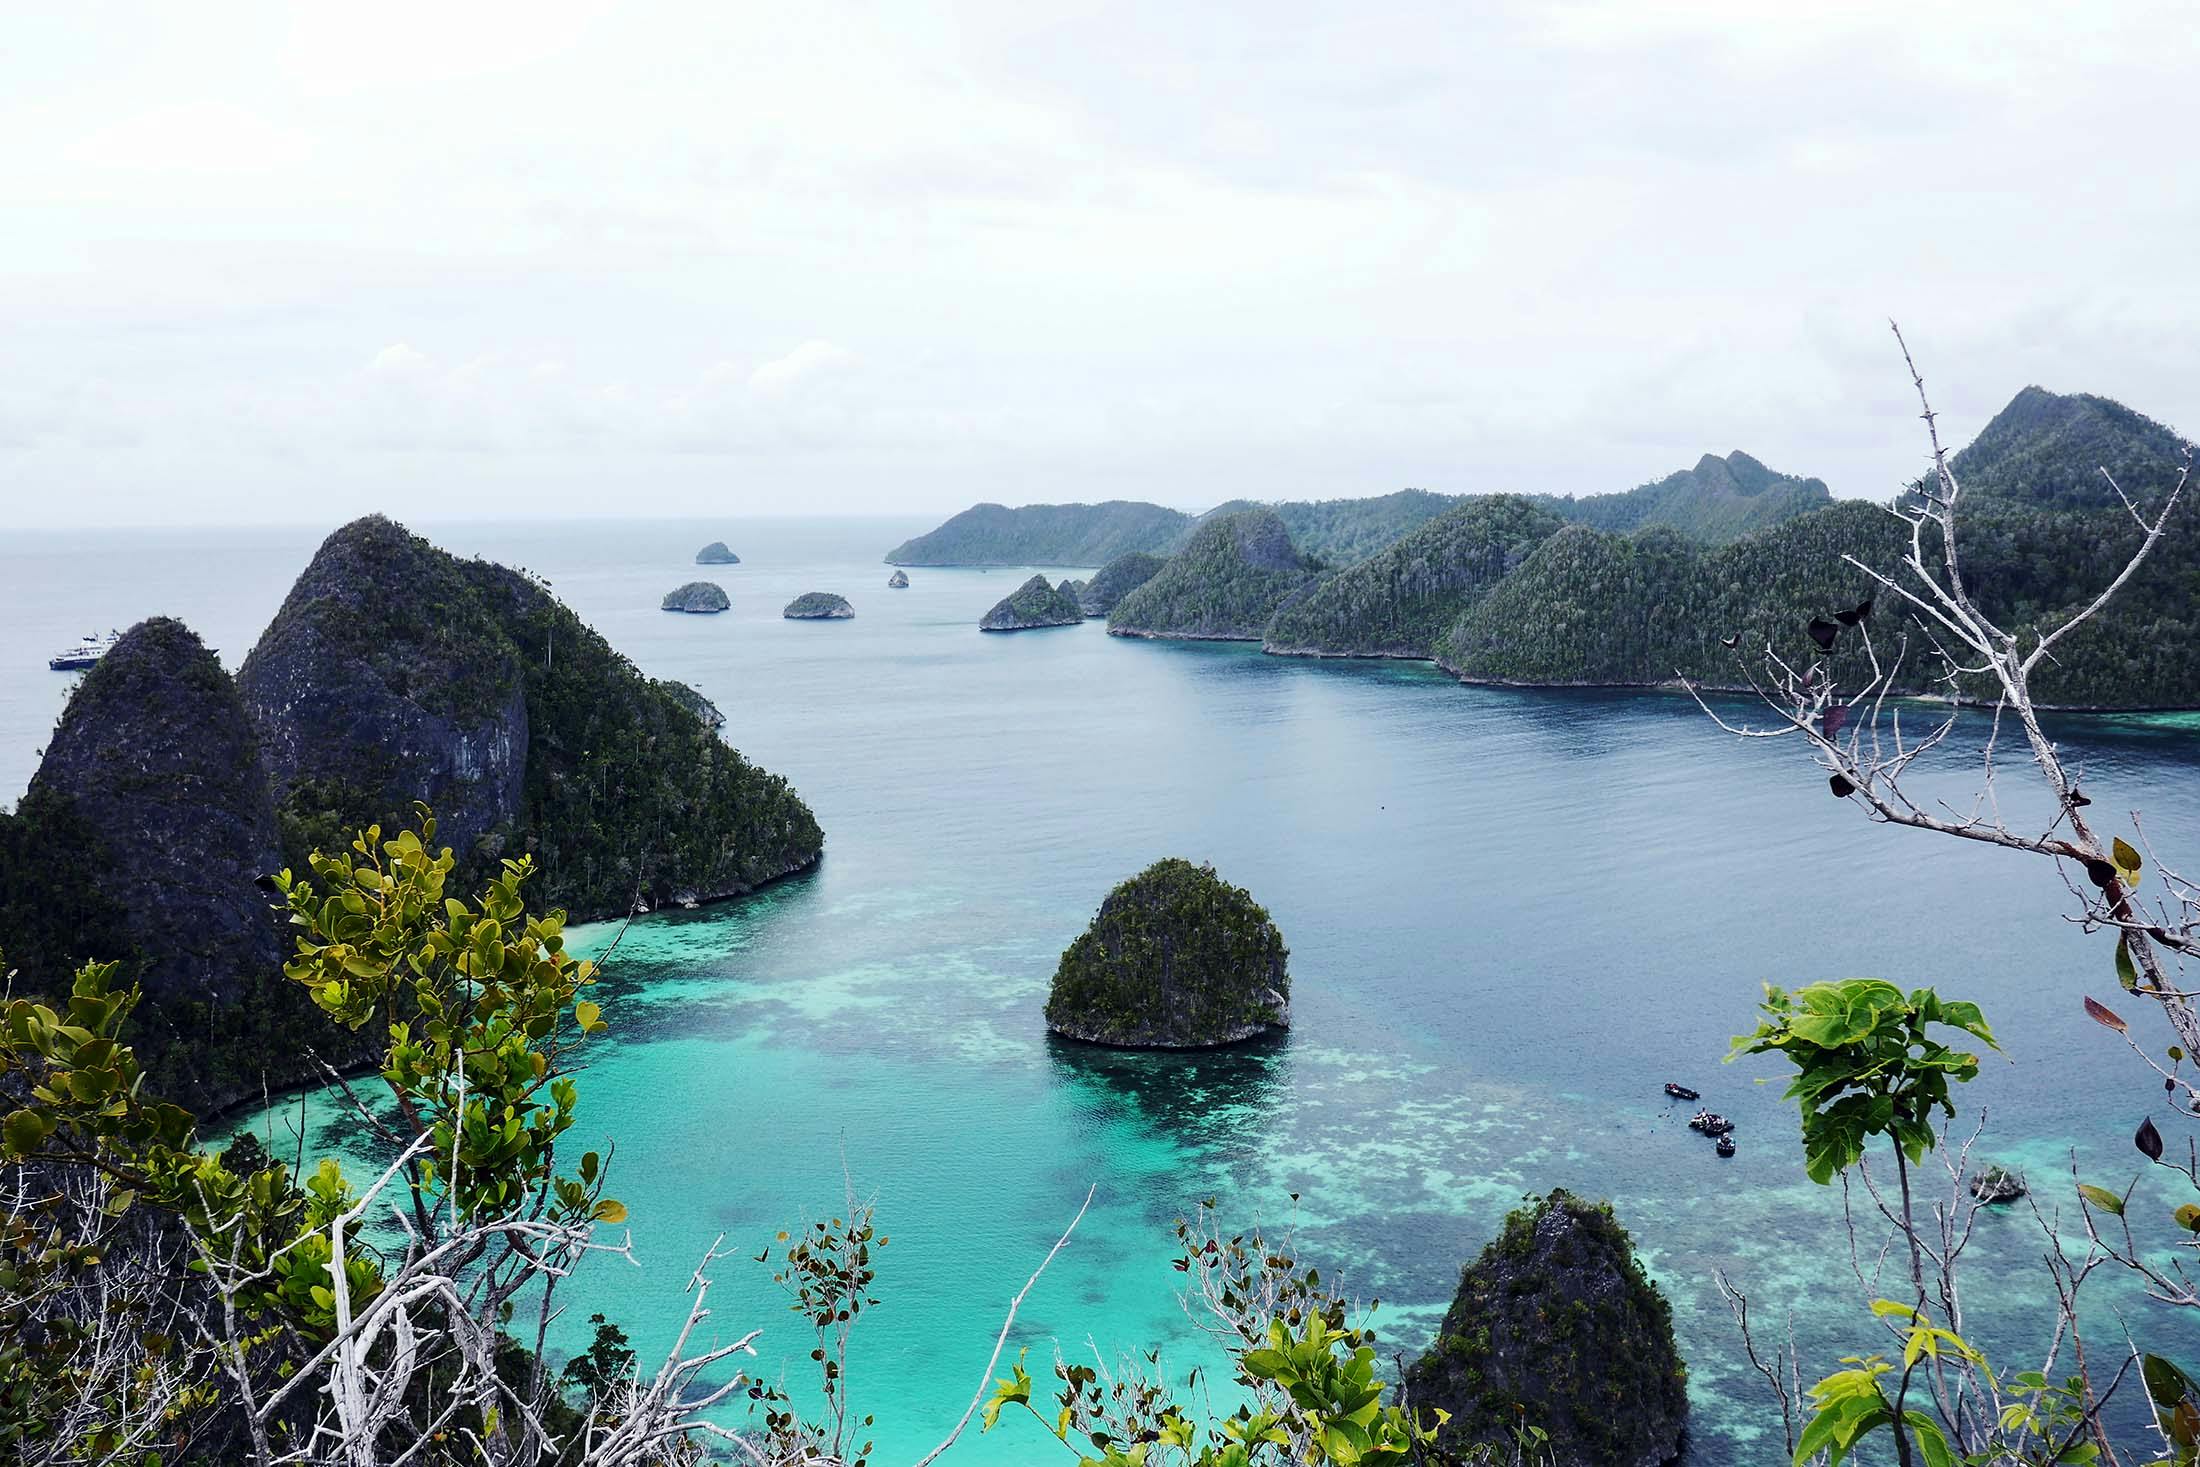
x=716 y=553
x=1117 y=579
x=1176 y=958
x=2046 y=450
x=702 y=597
x=626 y=789
x=1588 y=606
x=139 y=843
x=1397 y=602
x=615 y=783
x=695 y=703
x=1222 y=586
x=1557 y=1327
x=1036 y=603
x=385 y=679
x=818 y=606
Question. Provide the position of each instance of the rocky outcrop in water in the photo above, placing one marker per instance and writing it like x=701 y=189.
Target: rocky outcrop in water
x=156 y=754
x=393 y=673
x=383 y=680
x=818 y=606
x=1556 y=1326
x=1176 y=958
x=700 y=597
x=716 y=553
x=141 y=842
x=396 y=672
x=898 y=581
x=1117 y=579
x=1036 y=603
x=1995 y=1183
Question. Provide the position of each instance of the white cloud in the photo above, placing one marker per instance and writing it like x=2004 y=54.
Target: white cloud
x=908 y=257
x=809 y=360
x=396 y=359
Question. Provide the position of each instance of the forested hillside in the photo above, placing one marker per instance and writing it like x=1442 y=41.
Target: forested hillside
x=1223 y=586
x=2047 y=449
x=1594 y=607
x=1340 y=532
x=1718 y=500
x=1397 y=602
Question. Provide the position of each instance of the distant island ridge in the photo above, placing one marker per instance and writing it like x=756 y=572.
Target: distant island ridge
x=1717 y=500
x=1644 y=588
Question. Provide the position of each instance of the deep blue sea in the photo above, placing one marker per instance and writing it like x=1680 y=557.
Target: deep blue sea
x=1512 y=916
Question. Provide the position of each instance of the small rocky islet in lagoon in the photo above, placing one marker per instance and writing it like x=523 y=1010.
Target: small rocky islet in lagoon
x=1558 y=1324
x=716 y=553
x=1036 y=603
x=898 y=581
x=1176 y=958
x=699 y=597
x=818 y=606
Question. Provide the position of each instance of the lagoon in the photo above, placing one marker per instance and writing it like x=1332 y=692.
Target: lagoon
x=1513 y=915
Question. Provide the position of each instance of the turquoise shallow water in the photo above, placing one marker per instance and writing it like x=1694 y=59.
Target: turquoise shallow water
x=1512 y=915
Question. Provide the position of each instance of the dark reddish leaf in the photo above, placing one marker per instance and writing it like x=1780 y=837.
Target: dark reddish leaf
x=1832 y=719
x=2100 y=873
x=2078 y=801
x=1823 y=632
x=1841 y=787
x=1854 y=614
x=2148 y=1140
x=2105 y=1016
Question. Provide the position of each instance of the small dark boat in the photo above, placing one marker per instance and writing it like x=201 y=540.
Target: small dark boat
x=1710 y=1123
x=1726 y=1145
x=1682 y=1092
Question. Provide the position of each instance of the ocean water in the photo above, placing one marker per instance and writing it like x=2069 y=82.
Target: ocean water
x=1512 y=916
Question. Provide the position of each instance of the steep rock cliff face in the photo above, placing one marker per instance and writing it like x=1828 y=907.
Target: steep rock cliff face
x=139 y=843
x=1555 y=1326
x=383 y=680
x=157 y=758
x=396 y=672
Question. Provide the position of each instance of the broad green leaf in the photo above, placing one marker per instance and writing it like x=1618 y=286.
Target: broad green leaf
x=2102 y=1198
x=2127 y=861
x=24 y=1131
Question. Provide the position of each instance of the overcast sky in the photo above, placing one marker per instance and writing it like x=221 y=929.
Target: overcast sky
x=463 y=261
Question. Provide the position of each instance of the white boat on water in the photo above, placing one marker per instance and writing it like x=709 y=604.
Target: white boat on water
x=84 y=653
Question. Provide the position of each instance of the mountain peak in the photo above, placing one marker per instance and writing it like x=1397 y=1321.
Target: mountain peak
x=2049 y=449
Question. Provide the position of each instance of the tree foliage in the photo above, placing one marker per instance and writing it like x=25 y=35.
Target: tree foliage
x=1222 y=586
x=1396 y=602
